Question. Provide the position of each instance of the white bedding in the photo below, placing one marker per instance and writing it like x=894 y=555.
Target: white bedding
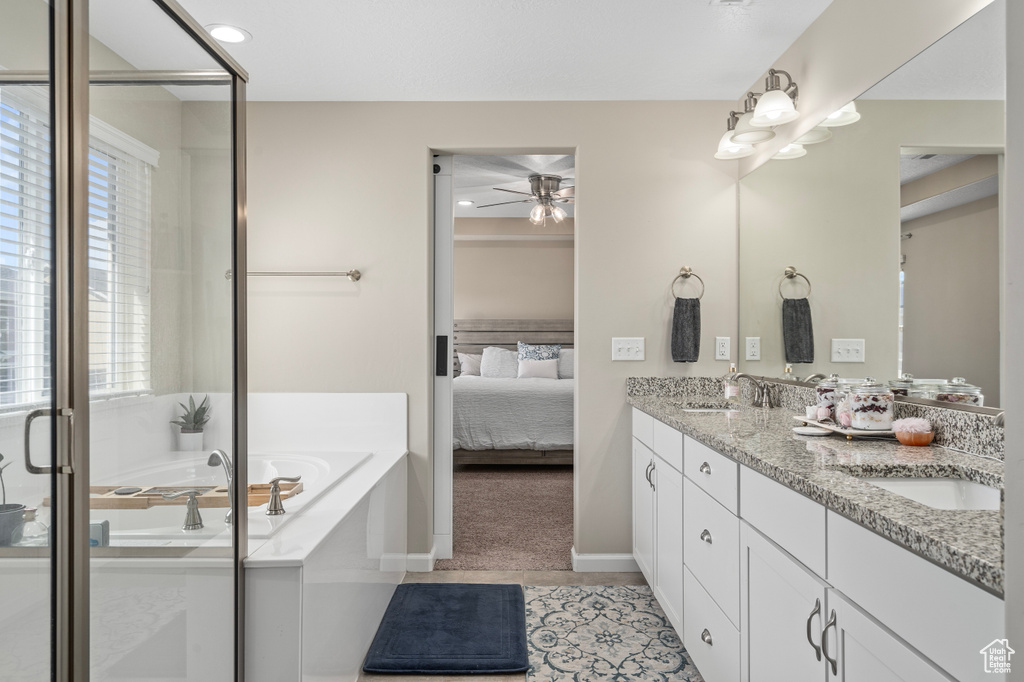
x=512 y=414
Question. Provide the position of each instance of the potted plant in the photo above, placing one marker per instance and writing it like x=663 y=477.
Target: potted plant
x=192 y=421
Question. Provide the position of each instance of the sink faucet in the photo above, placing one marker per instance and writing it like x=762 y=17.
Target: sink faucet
x=816 y=375
x=1000 y=419
x=219 y=457
x=762 y=394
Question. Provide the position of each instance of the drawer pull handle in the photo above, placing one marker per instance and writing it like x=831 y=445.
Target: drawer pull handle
x=815 y=612
x=705 y=468
x=706 y=637
x=647 y=473
x=654 y=467
x=824 y=643
x=705 y=535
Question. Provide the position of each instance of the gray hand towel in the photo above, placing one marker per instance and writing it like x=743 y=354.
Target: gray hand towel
x=797 y=332
x=686 y=330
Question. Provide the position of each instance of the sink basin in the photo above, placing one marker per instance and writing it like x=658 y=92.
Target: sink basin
x=942 y=493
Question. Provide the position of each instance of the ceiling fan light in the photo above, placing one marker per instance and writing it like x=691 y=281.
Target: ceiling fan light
x=537 y=215
x=790 y=151
x=774 y=108
x=814 y=136
x=745 y=133
x=842 y=117
x=558 y=213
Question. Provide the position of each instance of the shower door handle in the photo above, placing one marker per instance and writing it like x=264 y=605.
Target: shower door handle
x=31 y=417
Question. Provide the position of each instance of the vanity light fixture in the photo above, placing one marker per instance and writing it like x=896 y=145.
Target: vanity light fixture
x=729 y=149
x=790 y=151
x=842 y=117
x=814 y=136
x=746 y=132
x=465 y=202
x=777 y=105
x=226 y=33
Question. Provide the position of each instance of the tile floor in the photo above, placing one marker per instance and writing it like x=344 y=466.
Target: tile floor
x=514 y=577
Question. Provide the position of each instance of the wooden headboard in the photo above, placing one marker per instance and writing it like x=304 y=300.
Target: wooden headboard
x=472 y=336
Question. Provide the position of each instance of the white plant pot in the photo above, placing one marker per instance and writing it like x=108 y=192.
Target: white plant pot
x=190 y=442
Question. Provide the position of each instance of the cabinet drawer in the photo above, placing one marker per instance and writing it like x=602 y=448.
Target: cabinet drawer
x=643 y=427
x=668 y=444
x=713 y=473
x=792 y=521
x=711 y=547
x=719 y=660
x=938 y=613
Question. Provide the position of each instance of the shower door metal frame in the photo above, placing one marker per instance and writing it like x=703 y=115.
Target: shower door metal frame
x=70 y=426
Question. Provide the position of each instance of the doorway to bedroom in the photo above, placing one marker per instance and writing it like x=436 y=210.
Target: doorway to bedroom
x=505 y=441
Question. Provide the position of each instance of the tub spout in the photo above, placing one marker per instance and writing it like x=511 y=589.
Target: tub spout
x=219 y=457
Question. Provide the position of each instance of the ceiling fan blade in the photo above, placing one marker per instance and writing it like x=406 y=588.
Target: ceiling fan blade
x=569 y=200
x=565 y=192
x=524 y=201
x=512 y=191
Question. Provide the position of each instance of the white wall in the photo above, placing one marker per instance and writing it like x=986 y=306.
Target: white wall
x=357 y=194
x=513 y=279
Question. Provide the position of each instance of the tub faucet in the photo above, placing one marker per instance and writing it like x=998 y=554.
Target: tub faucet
x=193 y=521
x=274 y=507
x=219 y=457
x=762 y=395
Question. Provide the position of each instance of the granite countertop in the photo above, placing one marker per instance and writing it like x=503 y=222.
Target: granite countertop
x=968 y=543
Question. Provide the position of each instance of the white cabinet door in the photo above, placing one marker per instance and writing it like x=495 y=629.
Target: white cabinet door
x=668 y=504
x=781 y=614
x=865 y=651
x=643 y=510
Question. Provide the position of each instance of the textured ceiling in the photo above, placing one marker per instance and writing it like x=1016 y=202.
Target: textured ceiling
x=969 y=62
x=474 y=177
x=455 y=50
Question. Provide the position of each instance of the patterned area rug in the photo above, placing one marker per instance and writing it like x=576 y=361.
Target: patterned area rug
x=613 y=633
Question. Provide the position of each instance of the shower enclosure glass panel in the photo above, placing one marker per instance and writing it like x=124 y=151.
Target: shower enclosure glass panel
x=160 y=350
x=27 y=257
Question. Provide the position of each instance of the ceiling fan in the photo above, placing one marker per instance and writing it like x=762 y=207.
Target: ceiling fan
x=545 y=192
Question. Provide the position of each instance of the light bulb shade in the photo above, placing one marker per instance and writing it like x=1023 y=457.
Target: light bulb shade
x=727 y=149
x=774 y=108
x=842 y=117
x=814 y=136
x=537 y=214
x=790 y=151
x=748 y=134
x=558 y=213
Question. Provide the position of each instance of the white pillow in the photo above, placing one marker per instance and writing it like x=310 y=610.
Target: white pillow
x=469 y=365
x=565 y=368
x=499 y=363
x=538 y=369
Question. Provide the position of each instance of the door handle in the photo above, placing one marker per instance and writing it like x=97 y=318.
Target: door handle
x=824 y=643
x=815 y=612
x=647 y=472
x=654 y=467
x=31 y=417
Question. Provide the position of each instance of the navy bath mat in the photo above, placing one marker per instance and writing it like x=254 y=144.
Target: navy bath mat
x=451 y=629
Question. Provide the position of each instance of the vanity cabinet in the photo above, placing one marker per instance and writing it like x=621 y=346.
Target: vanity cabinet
x=763 y=583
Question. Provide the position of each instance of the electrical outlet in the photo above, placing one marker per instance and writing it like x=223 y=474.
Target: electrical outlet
x=753 y=348
x=722 y=350
x=847 y=350
x=631 y=348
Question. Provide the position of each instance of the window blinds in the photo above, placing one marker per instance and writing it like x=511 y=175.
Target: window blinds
x=119 y=260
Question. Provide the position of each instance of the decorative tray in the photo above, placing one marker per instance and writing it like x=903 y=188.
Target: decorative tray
x=849 y=433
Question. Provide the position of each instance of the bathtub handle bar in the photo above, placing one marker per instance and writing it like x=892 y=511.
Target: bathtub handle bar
x=274 y=506
x=31 y=417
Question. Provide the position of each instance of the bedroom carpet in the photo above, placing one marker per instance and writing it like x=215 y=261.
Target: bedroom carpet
x=509 y=518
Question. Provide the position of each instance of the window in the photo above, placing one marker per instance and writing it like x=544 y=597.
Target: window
x=119 y=256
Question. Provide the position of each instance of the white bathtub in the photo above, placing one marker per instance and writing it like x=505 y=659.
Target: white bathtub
x=161 y=525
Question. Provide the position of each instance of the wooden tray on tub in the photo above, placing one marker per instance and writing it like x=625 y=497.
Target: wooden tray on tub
x=104 y=497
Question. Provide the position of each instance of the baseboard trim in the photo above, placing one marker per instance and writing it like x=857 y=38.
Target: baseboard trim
x=421 y=563
x=603 y=563
x=443 y=546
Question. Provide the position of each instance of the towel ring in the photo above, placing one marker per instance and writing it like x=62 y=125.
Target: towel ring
x=791 y=273
x=686 y=273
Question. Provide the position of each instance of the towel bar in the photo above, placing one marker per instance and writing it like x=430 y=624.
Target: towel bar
x=686 y=273
x=791 y=273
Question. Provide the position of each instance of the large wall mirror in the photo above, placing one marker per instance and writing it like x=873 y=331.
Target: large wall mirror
x=893 y=225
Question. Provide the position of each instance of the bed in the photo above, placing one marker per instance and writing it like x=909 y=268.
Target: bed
x=511 y=421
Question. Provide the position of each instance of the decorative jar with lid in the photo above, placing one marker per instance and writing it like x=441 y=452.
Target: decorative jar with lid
x=871 y=406
x=961 y=392
x=826 y=391
x=902 y=386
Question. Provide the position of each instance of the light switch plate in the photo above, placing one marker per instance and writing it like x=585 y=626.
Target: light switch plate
x=753 y=348
x=628 y=348
x=722 y=350
x=847 y=350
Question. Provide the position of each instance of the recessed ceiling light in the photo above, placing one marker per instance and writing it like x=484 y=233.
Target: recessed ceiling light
x=465 y=202
x=228 y=34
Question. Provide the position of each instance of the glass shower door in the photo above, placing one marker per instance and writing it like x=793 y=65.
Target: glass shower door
x=27 y=257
